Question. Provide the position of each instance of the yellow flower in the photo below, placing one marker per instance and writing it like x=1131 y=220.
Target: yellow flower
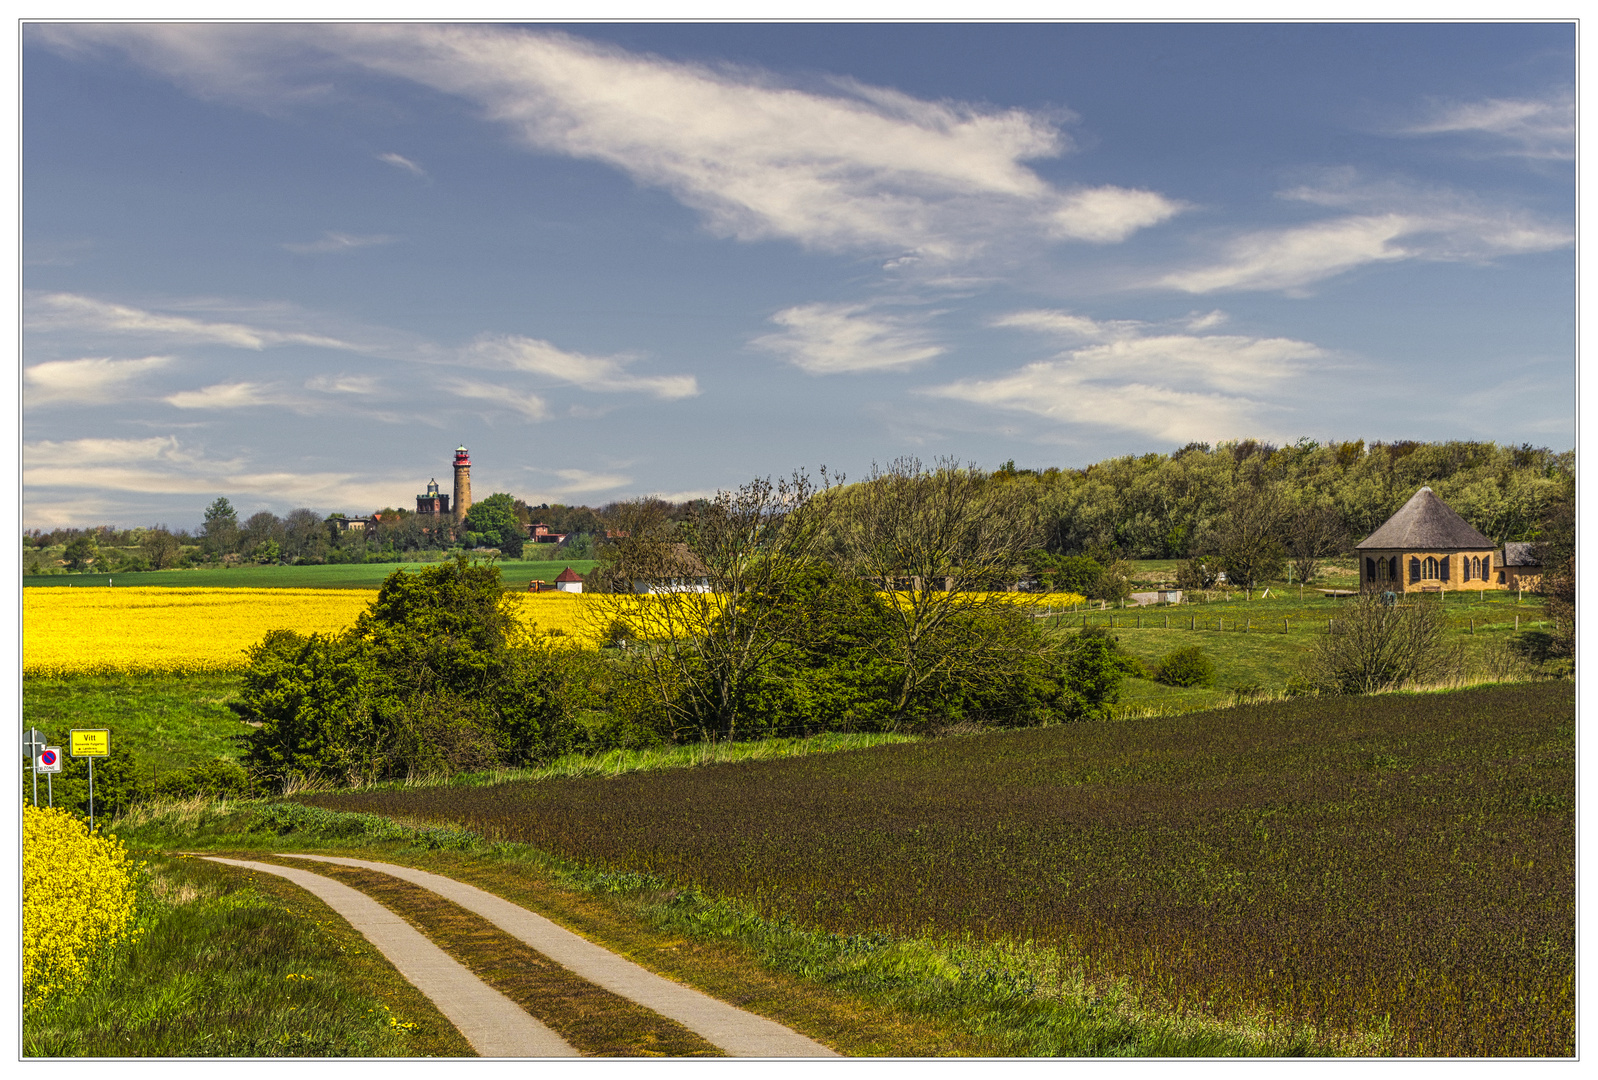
x=77 y=898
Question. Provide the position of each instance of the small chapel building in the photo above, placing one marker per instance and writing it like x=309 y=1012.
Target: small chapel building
x=1426 y=547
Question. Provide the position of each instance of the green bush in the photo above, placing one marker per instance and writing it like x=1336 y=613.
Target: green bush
x=220 y=778
x=1186 y=667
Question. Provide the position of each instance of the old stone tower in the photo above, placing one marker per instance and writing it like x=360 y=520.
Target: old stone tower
x=463 y=484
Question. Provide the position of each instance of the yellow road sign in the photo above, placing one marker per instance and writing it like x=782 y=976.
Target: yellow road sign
x=91 y=742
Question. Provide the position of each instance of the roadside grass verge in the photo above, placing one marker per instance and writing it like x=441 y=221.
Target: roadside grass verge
x=866 y=994
x=618 y=762
x=236 y=964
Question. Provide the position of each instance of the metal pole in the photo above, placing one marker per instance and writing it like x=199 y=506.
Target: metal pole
x=49 y=787
x=34 y=757
x=91 y=794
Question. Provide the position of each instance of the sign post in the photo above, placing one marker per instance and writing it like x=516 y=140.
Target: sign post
x=33 y=741
x=49 y=763
x=91 y=743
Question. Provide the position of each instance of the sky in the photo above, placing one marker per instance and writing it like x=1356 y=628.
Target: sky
x=297 y=265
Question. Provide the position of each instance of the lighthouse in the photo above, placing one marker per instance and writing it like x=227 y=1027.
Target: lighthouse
x=463 y=484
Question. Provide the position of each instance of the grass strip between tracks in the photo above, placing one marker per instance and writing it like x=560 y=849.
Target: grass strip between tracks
x=594 y=1020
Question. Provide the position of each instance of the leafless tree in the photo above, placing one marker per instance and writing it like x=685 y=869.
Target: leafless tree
x=1248 y=537
x=940 y=540
x=1314 y=532
x=1376 y=645
x=699 y=639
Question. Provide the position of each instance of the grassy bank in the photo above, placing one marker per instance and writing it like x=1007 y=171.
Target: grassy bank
x=235 y=964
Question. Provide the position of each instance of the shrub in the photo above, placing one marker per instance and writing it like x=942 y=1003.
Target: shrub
x=1186 y=667
x=221 y=778
x=1375 y=646
x=78 y=892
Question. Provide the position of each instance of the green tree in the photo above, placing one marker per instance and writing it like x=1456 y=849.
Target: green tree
x=221 y=530
x=495 y=519
x=81 y=551
x=160 y=548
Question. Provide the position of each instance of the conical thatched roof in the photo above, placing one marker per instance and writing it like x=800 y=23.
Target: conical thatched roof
x=1425 y=523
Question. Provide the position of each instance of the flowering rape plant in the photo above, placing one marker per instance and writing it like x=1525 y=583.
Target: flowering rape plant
x=181 y=631
x=78 y=891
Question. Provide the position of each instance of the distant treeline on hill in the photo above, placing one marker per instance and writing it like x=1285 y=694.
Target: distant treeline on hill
x=1167 y=506
x=1154 y=506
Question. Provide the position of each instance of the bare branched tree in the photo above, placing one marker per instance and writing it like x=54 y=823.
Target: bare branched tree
x=699 y=637
x=940 y=541
x=1375 y=645
x=1314 y=532
x=1249 y=536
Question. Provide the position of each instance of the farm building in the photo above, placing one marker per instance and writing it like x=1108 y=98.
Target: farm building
x=1426 y=547
x=1520 y=568
x=680 y=571
x=569 y=580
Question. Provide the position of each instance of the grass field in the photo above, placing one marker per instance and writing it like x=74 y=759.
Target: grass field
x=516 y=573
x=1398 y=867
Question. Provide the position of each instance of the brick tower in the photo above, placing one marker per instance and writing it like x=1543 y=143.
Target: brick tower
x=463 y=484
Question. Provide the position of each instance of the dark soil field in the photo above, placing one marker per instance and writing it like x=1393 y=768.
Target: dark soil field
x=1399 y=866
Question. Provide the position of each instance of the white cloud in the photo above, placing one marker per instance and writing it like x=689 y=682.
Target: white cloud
x=851 y=168
x=163 y=466
x=1513 y=126
x=78 y=452
x=531 y=406
x=238 y=395
x=89 y=381
x=1174 y=386
x=1108 y=215
x=333 y=243
x=829 y=339
x=68 y=312
x=601 y=374
x=1388 y=223
x=343 y=384
x=400 y=162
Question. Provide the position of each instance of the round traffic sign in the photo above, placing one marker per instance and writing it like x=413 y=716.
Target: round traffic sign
x=49 y=757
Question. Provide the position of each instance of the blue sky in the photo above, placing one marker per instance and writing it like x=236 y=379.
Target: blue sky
x=297 y=265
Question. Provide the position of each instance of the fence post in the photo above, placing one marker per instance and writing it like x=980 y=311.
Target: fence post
x=1284 y=626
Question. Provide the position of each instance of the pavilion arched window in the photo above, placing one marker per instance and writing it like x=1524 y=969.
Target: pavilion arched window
x=1428 y=569
x=1414 y=570
x=1392 y=568
x=1370 y=569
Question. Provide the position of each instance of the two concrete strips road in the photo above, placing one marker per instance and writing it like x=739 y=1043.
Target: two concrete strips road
x=739 y=1033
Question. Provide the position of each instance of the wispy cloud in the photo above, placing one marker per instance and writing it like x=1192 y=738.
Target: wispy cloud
x=600 y=374
x=844 y=167
x=1387 y=223
x=531 y=406
x=89 y=381
x=333 y=243
x=237 y=395
x=69 y=312
x=162 y=465
x=400 y=162
x=1518 y=127
x=1143 y=378
x=831 y=339
x=343 y=384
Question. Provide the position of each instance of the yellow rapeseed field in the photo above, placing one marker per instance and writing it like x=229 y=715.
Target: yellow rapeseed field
x=178 y=631
x=175 y=631
x=77 y=898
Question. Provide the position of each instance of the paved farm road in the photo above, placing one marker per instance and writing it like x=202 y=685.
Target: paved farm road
x=735 y=1031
